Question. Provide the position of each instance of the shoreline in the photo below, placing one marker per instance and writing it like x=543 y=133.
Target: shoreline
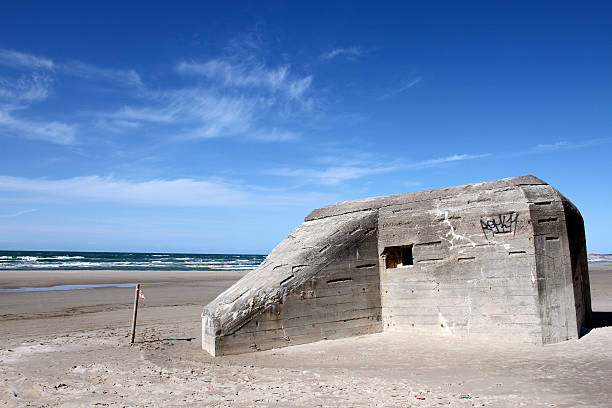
x=13 y=279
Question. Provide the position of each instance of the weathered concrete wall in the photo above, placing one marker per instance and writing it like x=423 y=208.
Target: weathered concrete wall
x=564 y=297
x=474 y=265
x=499 y=258
x=578 y=257
x=321 y=282
x=341 y=300
x=464 y=279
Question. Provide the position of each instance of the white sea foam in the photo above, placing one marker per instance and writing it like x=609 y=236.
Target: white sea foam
x=28 y=258
x=73 y=287
x=103 y=261
x=61 y=258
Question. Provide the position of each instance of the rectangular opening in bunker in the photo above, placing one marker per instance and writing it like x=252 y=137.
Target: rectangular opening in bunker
x=397 y=256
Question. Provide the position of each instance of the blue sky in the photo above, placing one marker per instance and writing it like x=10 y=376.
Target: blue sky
x=197 y=127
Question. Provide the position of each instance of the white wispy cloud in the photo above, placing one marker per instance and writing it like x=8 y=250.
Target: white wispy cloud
x=33 y=88
x=248 y=73
x=332 y=175
x=153 y=114
x=211 y=110
x=18 y=59
x=335 y=175
x=403 y=87
x=17 y=214
x=350 y=52
x=202 y=113
x=240 y=75
x=553 y=146
x=443 y=160
x=117 y=125
x=127 y=77
x=53 y=132
x=183 y=192
x=563 y=145
x=19 y=93
x=242 y=97
x=273 y=135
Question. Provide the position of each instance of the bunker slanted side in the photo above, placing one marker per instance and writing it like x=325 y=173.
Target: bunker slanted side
x=504 y=257
x=321 y=282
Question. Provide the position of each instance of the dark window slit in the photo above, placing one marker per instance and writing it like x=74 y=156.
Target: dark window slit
x=286 y=280
x=430 y=260
x=339 y=280
x=467 y=258
x=365 y=266
x=480 y=200
x=551 y=219
x=407 y=258
x=325 y=248
x=543 y=203
x=398 y=255
x=449 y=217
x=516 y=252
x=240 y=295
x=552 y=238
x=429 y=243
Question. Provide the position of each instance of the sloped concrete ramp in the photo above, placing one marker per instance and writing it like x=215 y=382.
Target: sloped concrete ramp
x=321 y=282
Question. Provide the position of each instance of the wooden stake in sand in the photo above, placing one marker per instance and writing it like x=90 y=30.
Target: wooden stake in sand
x=135 y=312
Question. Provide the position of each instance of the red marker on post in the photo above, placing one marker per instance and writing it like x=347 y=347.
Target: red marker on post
x=137 y=294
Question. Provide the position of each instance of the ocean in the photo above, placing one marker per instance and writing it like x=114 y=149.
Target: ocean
x=29 y=260
x=32 y=260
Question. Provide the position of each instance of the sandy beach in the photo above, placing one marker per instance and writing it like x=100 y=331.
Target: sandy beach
x=71 y=348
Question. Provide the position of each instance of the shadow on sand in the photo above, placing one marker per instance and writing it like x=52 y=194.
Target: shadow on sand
x=160 y=340
x=598 y=319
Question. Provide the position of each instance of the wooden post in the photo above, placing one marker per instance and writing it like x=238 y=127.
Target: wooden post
x=135 y=312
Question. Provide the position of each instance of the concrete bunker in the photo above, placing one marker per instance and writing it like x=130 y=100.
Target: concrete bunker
x=497 y=258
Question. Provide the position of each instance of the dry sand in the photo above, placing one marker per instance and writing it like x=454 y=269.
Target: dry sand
x=71 y=348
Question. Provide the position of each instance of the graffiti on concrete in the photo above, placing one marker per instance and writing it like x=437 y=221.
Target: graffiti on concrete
x=500 y=224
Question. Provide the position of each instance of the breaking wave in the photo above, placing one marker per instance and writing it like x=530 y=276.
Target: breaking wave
x=39 y=260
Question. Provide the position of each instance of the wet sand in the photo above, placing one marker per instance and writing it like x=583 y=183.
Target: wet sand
x=71 y=348
x=179 y=298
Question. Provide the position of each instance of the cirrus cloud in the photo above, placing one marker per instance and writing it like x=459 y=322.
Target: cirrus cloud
x=349 y=52
x=16 y=59
x=181 y=192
